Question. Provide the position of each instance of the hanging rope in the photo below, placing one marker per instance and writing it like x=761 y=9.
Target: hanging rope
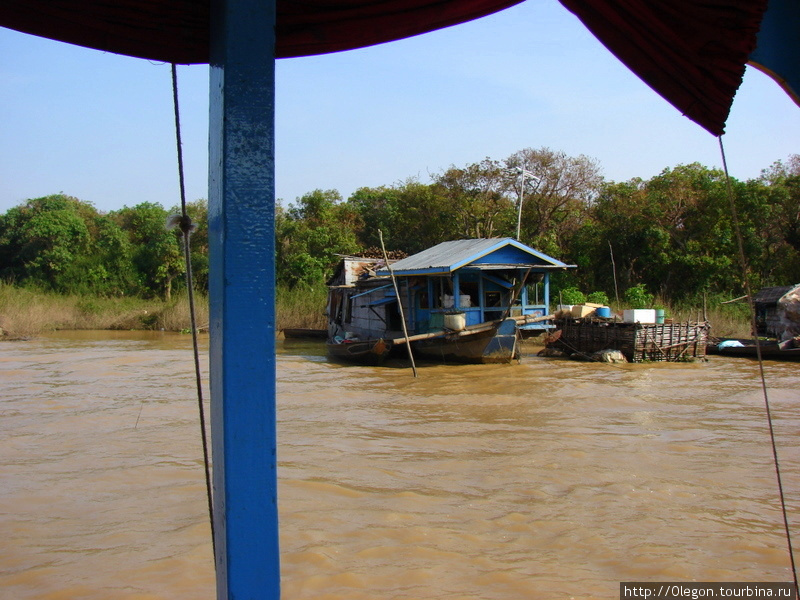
x=749 y=296
x=184 y=223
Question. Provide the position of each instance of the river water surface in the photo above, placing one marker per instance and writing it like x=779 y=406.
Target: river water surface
x=543 y=480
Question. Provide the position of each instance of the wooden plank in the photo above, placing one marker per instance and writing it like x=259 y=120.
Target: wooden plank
x=480 y=327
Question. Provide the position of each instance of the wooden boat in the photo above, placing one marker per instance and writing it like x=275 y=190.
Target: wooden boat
x=303 y=333
x=746 y=348
x=463 y=300
x=776 y=317
x=365 y=352
x=485 y=343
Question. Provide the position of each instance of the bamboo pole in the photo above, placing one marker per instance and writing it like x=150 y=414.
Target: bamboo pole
x=613 y=271
x=399 y=304
x=516 y=294
x=521 y=320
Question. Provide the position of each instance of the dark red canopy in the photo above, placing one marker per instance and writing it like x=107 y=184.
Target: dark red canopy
x=692 y=52
x=178 y=31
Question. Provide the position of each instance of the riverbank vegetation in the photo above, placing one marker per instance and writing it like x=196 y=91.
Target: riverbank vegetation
x=672 y=237
x=25 y=312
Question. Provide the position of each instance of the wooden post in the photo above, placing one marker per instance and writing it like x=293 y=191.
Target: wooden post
x=613 y=271
x=242 y=298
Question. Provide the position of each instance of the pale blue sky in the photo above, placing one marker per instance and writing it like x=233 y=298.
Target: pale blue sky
x=99 y=126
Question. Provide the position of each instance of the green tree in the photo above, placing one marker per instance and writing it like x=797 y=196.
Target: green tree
x=41 y=239
x=378 y=209
x=198 y=240
x=425 y=218
x=64 y=244
x=476 y=195
x=311 y=235
x=156 y=254
x=560 y=190
x=674 y=233
x=106 y=269
x=783 y=182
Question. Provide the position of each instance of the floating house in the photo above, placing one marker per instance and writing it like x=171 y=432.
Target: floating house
x=778 y=311
x=462 y=300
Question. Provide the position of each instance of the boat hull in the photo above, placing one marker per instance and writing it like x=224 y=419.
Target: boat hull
x=304 y=333
x=495 y=345
x=372 y=352
x=769 y=350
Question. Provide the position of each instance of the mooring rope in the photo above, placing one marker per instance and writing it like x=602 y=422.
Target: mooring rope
x=184 y=223
x=751 y=303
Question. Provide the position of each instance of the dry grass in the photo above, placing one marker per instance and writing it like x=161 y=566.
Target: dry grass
x=176 y=316
x=26 y=313
x=294 y=308
x=727 y=320
x=302 y=308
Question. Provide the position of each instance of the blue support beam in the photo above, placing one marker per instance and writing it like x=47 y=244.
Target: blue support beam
x=546 y=293
x=242 y=298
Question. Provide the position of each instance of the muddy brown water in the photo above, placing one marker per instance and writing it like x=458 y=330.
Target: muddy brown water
x=546 y=479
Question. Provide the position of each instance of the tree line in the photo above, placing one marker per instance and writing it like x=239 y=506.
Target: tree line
x=673 y=234
x=62 y=244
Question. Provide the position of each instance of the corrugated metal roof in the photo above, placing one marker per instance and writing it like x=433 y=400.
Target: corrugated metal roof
x=771 y=295
x=450 y=256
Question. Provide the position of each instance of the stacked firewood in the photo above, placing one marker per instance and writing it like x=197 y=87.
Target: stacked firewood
x=375 y=252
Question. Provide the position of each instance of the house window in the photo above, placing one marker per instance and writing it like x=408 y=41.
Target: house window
x=424 y=300
x=348 y=310
x=469 y=289
x=535 y=293
x=442 y=292
x=393 y=319
x=492 y=299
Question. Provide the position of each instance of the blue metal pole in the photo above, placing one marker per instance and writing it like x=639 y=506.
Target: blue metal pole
x=242 y=298
x=546 y=293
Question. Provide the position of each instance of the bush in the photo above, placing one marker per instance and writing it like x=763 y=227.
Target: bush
x=638 y=297
x=572 y=295
x=598 y=298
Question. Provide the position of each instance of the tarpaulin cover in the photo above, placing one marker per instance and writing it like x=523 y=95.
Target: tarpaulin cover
x=692 y=52
x=178 y=30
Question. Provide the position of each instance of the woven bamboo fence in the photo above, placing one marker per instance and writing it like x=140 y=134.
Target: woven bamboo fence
x=662 y=342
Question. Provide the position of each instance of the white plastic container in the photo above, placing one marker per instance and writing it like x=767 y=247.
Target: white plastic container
x=455 y=321
x=646 y=316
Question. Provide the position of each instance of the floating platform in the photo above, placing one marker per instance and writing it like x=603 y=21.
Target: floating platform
x=638 y=342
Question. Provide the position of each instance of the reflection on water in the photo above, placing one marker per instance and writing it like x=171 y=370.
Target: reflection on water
x=547 y=479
